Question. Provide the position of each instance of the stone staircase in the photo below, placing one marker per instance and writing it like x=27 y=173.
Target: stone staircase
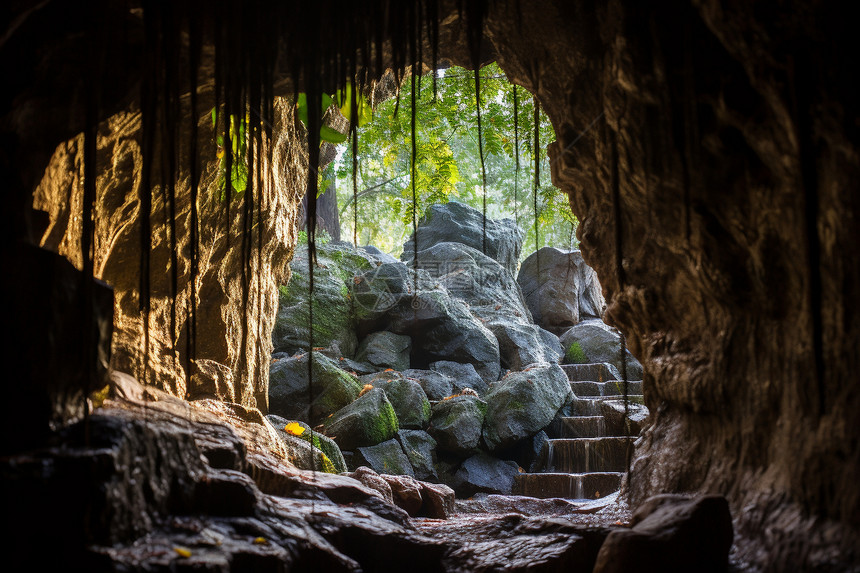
x=585 y=457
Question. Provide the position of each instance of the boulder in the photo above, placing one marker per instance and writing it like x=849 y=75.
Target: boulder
x=485 y=474
x=671 y=533
x=523 y=403
x=385 y=350
x=457 y=222
x=456 y=424
x=334 y=319
x=562 y=291
x=475 y=278
x=437 y=501
x=462 y=376
x=435 y=384
x=521 y=343
x=289 y=388
x=406 y=492
x=594 y=341
x=406 y=396
x=379 y=256
x=374 y=482
x=441 y=327
x=320 y=441
x=368 y=421
x=385 y=458
x=419 y=447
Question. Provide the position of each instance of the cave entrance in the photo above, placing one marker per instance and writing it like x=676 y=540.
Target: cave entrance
x=492 y=360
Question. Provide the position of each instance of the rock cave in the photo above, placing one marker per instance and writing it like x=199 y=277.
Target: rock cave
x=707 y=151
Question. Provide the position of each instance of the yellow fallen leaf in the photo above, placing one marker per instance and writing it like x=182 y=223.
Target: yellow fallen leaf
x=182 y=551
x=260 y=541
x=294 y=428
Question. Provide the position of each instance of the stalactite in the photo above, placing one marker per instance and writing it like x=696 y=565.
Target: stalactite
x=516 y=157
x=536 y=177
x=194 y=49
x=483 y=164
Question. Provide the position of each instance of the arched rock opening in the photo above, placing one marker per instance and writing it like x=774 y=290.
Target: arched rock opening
x=709 y=153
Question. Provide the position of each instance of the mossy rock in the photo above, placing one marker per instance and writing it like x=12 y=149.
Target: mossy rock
x=320 y=441
x=456 y=424
x=386 y=458
x=523 y=403
x=420 y=448
x=408 y=399
x=367 y=421
x=301 y=453
x=334 y=319
x=333 y=388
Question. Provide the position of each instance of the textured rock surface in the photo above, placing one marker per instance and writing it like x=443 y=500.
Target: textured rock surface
x=522 y=403
x=456 y=424
x=717 y=211
x=289 y=391
x=462 y=376
x=385 y=350
x=369 y=420
x=419 y=447
x=441 y=326
x=671 y=533
x=385 y=458
x=460 y=223
x=436 y=385
x=220 y=308
x=592 y=341
x=334 y=319
x=565 y=290
x=485 y=474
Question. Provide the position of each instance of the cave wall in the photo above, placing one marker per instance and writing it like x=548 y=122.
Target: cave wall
x=710 y=154
x=220 y=369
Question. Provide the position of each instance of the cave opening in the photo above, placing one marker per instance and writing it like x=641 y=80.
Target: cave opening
x=714 y=199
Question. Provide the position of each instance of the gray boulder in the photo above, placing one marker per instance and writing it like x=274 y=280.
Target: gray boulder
x=521 y=344
x=289 y=388
x=565 y=291
x=368 y=421
x=334 y=321
x=482 y=473
x=523 y=403
x=419 y=447
x=385 y=458
x=435 y=384
x=462 y=376
x=456 y=424
x=471 y=276
x=441 y=327
x=385 y=350
x=460 y=223
x=594 y=341
x=408 y=399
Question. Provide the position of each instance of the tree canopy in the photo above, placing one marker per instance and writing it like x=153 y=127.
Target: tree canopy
x=448 y=160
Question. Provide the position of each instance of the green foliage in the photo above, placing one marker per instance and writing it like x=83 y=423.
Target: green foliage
x=448 y=164
x=322 y=237
x=238 y=145
x=341 y=99
x=575 y=354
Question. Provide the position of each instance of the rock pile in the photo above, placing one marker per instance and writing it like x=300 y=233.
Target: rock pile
x=433 y=367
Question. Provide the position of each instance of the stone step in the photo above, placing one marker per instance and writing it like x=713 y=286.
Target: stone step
x=599 y=371
x=578 y=427
x=613 y=388
x=584 y=455
x=571 y=486
x=588 y=405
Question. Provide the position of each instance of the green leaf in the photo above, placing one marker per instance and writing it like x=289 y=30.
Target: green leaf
x=332 y=136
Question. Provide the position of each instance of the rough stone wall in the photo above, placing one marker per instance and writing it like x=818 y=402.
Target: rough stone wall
x=694 y=140
x=220 y=369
